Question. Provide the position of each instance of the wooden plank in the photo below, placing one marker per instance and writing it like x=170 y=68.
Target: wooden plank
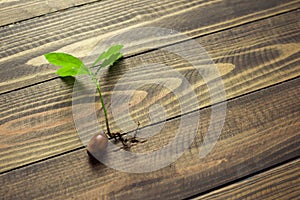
x=261 y=130
x=77 y=31
x=37 y=122
x=12 y=11
x=282 y=182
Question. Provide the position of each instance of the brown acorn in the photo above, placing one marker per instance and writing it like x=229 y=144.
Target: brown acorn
x=97 y=145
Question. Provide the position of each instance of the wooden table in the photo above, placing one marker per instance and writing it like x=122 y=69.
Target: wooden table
x=255 y=46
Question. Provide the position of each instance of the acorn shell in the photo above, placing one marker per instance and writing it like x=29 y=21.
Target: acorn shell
x=97 y=145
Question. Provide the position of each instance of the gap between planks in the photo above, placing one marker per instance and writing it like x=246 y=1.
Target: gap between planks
x=279 y=181
x=13 y=12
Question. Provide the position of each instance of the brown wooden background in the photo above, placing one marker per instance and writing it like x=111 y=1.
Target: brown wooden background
x=255 y=45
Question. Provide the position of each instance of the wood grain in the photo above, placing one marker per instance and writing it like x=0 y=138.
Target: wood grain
x=37 y=122
x=282 y=182
x=77 y=31
x=12 y=11
x=261 y=130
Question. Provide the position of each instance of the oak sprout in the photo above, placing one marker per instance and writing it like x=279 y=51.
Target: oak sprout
x=72 y=66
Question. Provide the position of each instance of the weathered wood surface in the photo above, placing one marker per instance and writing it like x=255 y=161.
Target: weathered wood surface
x=282 y=182
x=78 y=30
x=261 y=130
x=255 y=47
x=12 y=11
x=41 y=126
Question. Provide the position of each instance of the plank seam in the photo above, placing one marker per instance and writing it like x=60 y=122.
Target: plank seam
x=41 y=160
x=30 y=85
x=53 y=12
x=244 y=177
x=214 y=32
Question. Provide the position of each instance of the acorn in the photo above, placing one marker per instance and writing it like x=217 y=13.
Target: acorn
x=97 y=145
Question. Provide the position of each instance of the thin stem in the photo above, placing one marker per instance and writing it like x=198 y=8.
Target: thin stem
x=102 y=102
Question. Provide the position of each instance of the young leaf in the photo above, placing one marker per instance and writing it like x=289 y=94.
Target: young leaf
x=111 y=60
x=70 y=65
x=115 y=49
x=63 y=71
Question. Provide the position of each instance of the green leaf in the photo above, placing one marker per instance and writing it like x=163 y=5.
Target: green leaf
x=111 y=60
x=115 y=49
x=70 y=65
x=63 y=59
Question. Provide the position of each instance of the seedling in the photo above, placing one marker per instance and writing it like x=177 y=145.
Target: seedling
x=73 y=66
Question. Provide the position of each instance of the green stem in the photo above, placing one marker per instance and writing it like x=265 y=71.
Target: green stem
x=102 y=102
